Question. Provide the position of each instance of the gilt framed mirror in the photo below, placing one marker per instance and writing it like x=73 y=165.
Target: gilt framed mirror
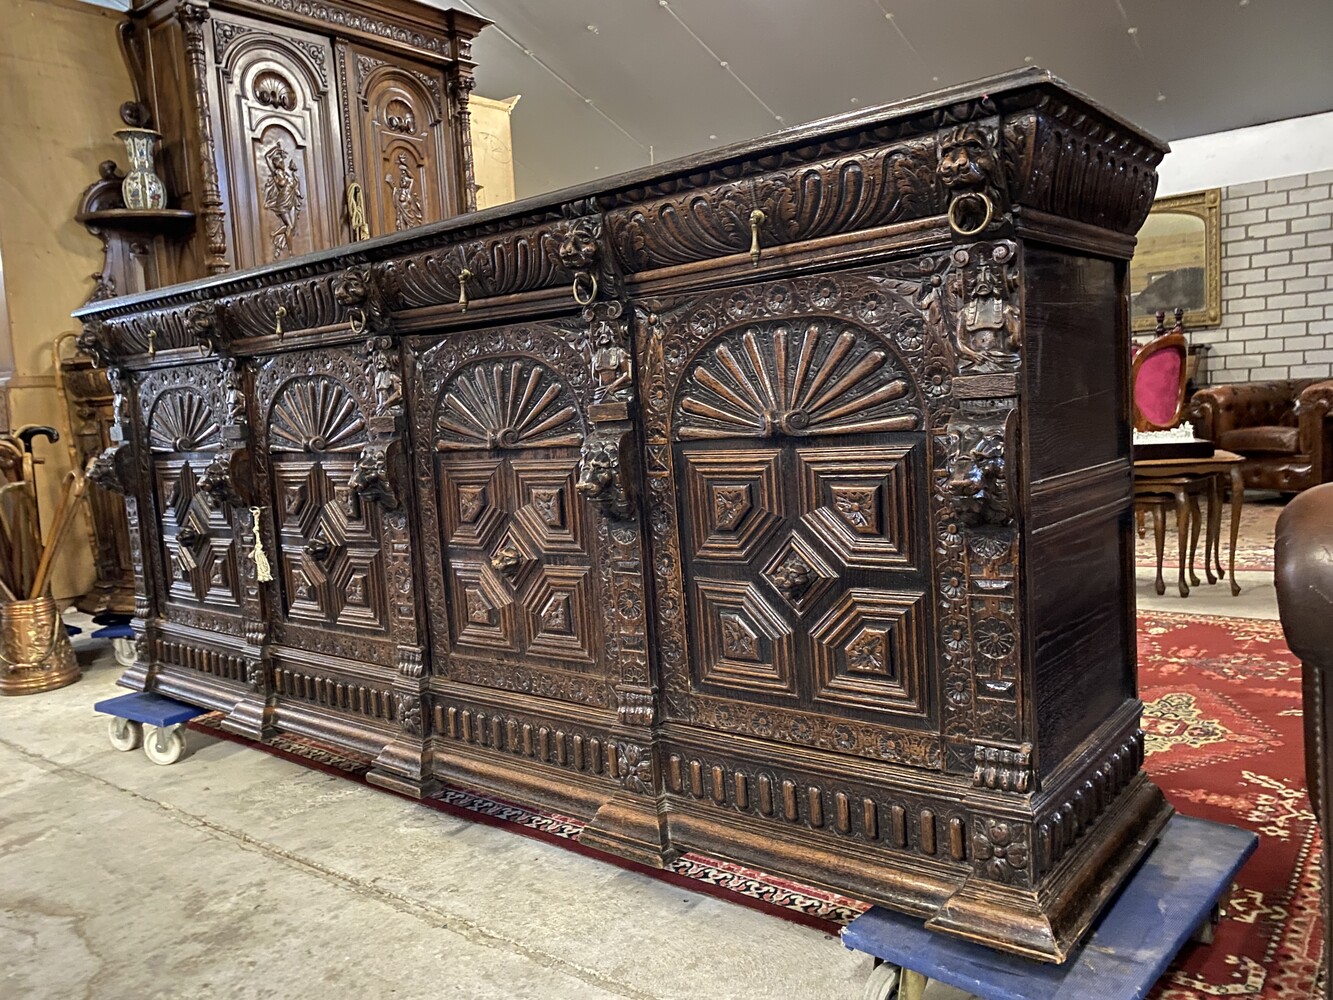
x=1178 y=261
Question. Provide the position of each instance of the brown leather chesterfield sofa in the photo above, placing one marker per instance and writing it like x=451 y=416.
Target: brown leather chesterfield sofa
x=1304 y=571
x=1281 y=427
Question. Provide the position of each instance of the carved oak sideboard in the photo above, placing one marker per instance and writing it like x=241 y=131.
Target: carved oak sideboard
x=773 y=503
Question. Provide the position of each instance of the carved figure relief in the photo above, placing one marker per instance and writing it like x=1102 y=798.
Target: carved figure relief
x=407 y=211
x=988 y=334
x=602 y=476
x=282 y=197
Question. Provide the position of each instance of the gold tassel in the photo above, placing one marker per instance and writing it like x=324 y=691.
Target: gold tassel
x=262 y=569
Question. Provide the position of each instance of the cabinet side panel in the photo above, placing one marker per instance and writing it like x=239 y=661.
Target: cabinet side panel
x=1078 y=575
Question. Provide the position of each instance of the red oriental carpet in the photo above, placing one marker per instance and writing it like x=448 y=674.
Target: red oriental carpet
x=1223 y=726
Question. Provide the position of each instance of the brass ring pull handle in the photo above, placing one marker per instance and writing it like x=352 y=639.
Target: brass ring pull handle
x=464 y=276
x=152 y=343
x=358 y=321
x=757 y=219
x=189 y=536
x=969 y=197
x=588 y=278
x=278 y=317
x=317 y=549
x=506 y=561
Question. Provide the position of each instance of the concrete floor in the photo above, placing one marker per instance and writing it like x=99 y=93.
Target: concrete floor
x=235 y=874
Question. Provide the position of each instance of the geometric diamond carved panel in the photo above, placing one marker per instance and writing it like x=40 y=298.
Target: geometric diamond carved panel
x=798 y=575
x=548 y=505
x=858 y=503
x=472 y=500
x=868 y=652
x=745 y=643
x=559 y=609
x=734 y=500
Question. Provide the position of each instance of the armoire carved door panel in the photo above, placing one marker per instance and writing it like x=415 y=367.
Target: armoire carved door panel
x=200 y=561
x=282 y=138
x=400 y=134
x=517 y=536
x=330 y=560
x=789 y=467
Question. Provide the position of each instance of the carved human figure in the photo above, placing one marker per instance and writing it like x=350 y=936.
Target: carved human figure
x=233 y=399
x=988 y=328
x=388 y=384
x=282 y=197
x=407 y=210
x=116 y=379
x=610 y=363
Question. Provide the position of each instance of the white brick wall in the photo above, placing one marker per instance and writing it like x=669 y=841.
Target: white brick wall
x=1277 y=281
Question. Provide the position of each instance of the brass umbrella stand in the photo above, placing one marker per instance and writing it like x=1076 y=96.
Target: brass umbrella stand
x=35 y=651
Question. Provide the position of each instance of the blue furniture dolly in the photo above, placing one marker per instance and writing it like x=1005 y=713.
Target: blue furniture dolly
x=1173 y=897
x=131 y=712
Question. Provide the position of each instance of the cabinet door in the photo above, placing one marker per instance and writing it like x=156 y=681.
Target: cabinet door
x=789 y=466
x=198 y=556
x=330 y=563
x=523 y=604
x=281 y=137
x=400 y=122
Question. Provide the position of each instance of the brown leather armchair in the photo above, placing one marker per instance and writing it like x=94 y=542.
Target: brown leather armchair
x=1283 y=429
x=1304 y=577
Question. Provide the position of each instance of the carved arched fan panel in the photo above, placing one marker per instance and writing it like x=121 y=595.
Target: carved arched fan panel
x=507 y=404
x=795 y=377
x=181 y=420
x=315 y=414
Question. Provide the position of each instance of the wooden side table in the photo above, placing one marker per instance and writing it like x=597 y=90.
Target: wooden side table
x=1223 y=465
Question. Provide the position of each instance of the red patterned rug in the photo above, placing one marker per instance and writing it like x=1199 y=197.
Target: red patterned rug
x=1222 y=720
x=1223 y=725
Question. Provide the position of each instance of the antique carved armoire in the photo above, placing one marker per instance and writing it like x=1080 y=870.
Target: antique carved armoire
x=772 y=503
x=291 y=126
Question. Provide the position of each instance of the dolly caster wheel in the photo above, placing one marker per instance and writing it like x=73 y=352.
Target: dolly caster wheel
x=124 y=734
x=883 y=983
x=124 y=650
x=164 y=746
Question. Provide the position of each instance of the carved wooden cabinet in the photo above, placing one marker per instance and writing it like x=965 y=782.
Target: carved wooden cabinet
x=89 y=398
x=772 y=504
x=290 y=128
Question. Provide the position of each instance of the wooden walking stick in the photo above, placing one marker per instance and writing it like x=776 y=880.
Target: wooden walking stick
x=75 y=485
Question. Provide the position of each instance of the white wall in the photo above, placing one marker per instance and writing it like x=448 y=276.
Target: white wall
x=1245 y=155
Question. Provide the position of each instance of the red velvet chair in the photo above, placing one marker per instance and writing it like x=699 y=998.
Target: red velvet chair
x=1159 y=376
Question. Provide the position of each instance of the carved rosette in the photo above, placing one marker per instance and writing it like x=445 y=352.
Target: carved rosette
x=1000 y=850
